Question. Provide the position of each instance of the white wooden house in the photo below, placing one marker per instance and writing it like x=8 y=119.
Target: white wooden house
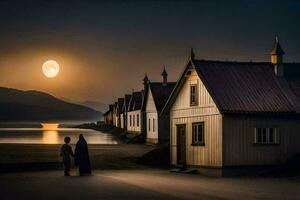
x=134 y=114
x=225 y=114
x=157 y=127
x=119 y=111
x=115 y=114
x=123 y=114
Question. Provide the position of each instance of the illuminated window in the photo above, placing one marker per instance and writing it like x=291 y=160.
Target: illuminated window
x=193 y=95
x=266 y=136
x=198 y=133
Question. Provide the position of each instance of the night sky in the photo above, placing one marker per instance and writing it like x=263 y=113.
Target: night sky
x=105 y=48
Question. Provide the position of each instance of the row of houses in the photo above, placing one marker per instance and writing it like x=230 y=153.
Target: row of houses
x=139 y=113
x=220 y=114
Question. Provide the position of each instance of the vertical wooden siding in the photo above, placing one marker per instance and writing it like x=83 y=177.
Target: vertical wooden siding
x=151 y=113
x=182 y=113
x=135 y=128
x=238 y=139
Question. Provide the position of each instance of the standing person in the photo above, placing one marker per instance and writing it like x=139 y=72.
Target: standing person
x=66 y=153
x=82 y=159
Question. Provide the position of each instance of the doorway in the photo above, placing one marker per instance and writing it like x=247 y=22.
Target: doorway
x=181 y=144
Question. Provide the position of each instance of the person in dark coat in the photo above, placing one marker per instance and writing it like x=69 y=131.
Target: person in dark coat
x=66 y=153
x=82 y=159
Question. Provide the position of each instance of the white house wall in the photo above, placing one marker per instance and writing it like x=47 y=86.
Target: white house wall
x=206 y=111
x=134 y=127
x=122 y=120
x=151 y=115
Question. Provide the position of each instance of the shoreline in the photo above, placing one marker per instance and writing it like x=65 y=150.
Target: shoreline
x=121 y=134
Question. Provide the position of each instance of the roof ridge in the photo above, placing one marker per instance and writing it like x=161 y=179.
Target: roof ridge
x=232 y=61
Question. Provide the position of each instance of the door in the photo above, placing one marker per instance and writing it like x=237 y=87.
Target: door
x=181 y=144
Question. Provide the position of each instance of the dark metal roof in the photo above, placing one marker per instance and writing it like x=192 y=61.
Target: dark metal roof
x=126 y=102
x=243 y=86
x=120 y=104
x=246 y=87
x=161 y=93
x=136 y=101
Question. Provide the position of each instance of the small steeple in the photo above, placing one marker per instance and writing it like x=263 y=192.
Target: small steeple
x=164 y=75
x=146 y=81
x=192 y=56
x=146 y=78
x=277 y=50
x=277 y=58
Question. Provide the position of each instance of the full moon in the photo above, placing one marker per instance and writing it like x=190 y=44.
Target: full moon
x=50 y=68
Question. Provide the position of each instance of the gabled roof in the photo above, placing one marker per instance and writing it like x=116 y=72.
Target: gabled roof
x=106 y=113
x=110 y=109
x=136 y=101
x=161 y=93
x=120 y=104
x=242 y=87
x=126 y=102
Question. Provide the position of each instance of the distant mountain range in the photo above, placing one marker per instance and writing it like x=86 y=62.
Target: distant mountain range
x=18 y=105
x=102 y=107
x=96 y=105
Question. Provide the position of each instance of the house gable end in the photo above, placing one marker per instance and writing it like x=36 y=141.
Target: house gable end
x=150 y=104
x=176 y=89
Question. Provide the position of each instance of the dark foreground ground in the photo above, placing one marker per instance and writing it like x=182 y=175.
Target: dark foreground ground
x=35 y=172
x=31 y=157
x=142 y=185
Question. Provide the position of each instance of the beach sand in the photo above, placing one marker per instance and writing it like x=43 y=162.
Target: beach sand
x=26 y=157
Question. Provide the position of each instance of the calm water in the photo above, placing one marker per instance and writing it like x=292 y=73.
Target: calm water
x=45 y=136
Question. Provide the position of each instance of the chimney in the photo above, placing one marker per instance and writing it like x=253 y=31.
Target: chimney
x=164 y=75
x=277 y=58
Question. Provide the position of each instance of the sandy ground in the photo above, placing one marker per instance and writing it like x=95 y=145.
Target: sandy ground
x=23 y=157
x=33 y=174
x=142 y=184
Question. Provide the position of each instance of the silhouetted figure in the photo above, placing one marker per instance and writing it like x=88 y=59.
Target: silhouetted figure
x=82 y=159
x=66 y=153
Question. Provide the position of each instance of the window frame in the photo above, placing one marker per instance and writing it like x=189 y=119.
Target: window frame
x=262 y=136
x=133 y=120
x=195 y=94
x=194 y=142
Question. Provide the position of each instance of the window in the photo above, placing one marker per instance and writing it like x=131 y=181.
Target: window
x=138 y=120
x=149 y=125
x=130 y=120
x=193 y=95
x=271 y=135
x=153 y=125
x=133 y=116
x=266 y=136
x=198 y=133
